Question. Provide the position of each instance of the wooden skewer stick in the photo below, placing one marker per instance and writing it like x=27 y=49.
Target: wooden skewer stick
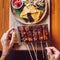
x=29 y=51
x=42 y=49
x=48 y=57
x=46 y=44
x=34 y=51
x=36 y=48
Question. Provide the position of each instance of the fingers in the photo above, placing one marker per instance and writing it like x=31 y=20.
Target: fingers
x=13 y=39
x=8 y=32
x=49 y=52
x=55 y=51
x=3 y=37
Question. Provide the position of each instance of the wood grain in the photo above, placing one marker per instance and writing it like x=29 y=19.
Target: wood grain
x=4 y=24
x=56 y=23
x=1 y=20
x=6 y=14
x=1 y=15
x=55 y=20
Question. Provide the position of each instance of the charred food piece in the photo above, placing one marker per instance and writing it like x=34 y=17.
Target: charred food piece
x=30 y=19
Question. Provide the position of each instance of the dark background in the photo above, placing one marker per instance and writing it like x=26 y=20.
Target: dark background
x=24 y=55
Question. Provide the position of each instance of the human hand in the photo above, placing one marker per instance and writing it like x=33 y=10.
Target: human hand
x=7 y=41
x=53 y=53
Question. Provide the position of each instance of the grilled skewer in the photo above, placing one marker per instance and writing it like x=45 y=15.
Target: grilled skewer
x=42 y=49
x=34 y=51
x=48 y=57
x=29 y=51
x=36 y=48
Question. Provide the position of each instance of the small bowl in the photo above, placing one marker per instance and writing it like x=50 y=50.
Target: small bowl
x=12 y=2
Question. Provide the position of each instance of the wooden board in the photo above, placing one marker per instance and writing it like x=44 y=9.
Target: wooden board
x=6 y=15
x=1 y=19
x=55 y=20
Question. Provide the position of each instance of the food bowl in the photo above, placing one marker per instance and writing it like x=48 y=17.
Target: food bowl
x=17 y=4
x=17 y=13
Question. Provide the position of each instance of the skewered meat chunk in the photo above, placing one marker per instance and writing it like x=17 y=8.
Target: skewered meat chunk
x=40 y=35
x=45 y=32
x=33 y=33
x=27 y=28
x=21 y=28
x=29 y=36
x=40 y=32
x=35 y=38
x=23 y=34
x=28 y=33
x=24 y=39
x=30 y=39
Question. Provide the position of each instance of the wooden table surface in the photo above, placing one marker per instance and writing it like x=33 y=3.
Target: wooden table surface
x=55 y=20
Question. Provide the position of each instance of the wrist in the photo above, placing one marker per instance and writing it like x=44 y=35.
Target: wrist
x=3 y=57
x=5 y=52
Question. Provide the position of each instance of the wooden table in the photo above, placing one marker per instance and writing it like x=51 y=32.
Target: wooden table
x=55 y=20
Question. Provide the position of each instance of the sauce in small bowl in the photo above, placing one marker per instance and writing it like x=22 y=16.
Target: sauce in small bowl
x=17 y=4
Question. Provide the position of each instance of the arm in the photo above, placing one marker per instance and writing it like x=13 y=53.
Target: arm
x=7 y=42
x=53 y=53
